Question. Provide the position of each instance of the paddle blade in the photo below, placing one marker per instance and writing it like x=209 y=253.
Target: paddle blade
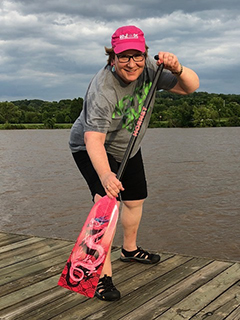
x=83 y=268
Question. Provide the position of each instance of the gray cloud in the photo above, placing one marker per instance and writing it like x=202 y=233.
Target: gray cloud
x=51 y=49
x=105 y=11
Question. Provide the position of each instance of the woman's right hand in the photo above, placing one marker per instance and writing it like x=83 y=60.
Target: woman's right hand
x=111 y=184
x=95 y=147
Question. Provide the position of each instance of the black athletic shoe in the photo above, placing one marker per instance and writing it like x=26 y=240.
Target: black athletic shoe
x=139 y=255
x=106 y=290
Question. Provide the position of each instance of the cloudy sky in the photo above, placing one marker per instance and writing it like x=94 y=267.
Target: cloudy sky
x=50 y=50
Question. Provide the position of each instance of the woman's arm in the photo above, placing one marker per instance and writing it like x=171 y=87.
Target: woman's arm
x=94 y=142
x=188 y=80
x=187 y=83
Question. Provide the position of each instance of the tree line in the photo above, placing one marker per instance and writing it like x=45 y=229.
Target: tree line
x=39 y=111
x=199 y=109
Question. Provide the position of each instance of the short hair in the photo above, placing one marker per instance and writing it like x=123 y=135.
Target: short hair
x=111 y=54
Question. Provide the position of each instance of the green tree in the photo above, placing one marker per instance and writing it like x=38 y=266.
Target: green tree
x=67 y=119
x=60 y=117
x=9 y=113
x=204 y=116
x=179 y=116
x=185 y=115
x=75 y=108
x=32 y=117
x=49 y=123
x=198 y=109
x=173 y=115
x=233 y=121
x=234 y=109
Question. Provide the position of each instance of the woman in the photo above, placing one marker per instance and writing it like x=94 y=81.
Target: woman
x=100 y=135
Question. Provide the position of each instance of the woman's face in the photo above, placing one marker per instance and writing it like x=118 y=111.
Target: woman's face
x=131 y=70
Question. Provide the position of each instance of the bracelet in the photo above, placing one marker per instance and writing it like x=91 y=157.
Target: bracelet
x=180 y=72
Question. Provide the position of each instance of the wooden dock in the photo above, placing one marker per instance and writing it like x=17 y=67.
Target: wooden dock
x=179 y=287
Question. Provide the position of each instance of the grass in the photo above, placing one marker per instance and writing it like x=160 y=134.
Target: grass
x=9 y=126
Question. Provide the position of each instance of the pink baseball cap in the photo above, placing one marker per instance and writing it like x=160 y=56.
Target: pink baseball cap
x=127 y=38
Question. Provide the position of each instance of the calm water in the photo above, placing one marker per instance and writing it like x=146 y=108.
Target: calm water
x=194 y=189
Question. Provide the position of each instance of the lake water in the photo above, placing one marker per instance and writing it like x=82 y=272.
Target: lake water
x=193 y=177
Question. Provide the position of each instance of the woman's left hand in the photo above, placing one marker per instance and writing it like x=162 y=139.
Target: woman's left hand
x=170 y=61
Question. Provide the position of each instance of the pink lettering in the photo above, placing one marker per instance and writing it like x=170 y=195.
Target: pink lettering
x=140 y=120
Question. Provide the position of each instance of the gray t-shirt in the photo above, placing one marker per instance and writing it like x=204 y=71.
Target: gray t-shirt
x=113 y=107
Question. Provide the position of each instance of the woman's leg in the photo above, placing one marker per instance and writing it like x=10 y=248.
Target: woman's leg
x=130 y=217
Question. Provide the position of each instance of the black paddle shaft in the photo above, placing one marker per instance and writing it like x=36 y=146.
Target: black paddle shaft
x=139 y=123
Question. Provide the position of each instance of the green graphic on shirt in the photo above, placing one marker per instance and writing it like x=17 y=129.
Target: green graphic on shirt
x=127 y=109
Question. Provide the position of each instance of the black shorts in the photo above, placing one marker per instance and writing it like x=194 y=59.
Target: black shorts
x=133 y=180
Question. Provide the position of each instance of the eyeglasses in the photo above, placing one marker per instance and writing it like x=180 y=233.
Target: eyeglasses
x=139 y=57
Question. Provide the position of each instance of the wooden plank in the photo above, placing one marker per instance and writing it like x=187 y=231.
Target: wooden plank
x=19 y=244
x=179 y=287
x=31 y=247
x=235 y=315
x=136 y=281
x=41 y=308
x=19 y=254
x=28 y=292
x=20 y=309
x=37 y=267
x=115 y=254
x=67 y=302
x=48 y=255
x=224 y=305
x=31 y=279
x=5 y=235
x=198 y=300
x=166 y=299
x=151 y=289
x=8 y=239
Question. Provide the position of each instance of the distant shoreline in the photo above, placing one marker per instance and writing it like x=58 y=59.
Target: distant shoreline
x=28 y=126
x=198 y=109
x=42 y=126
